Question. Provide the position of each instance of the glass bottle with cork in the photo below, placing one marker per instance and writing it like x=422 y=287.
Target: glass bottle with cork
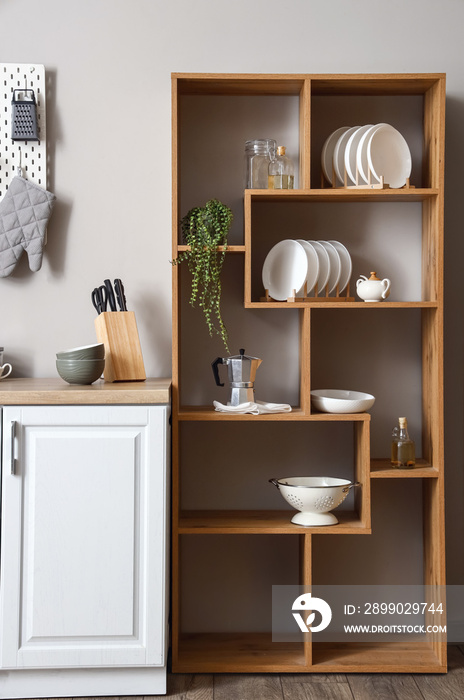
x=281 y=171
x=403 y=451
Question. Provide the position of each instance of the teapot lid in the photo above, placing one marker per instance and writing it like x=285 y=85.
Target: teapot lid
x=374 y=277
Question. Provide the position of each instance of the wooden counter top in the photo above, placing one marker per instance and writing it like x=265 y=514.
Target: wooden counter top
x=55 y=391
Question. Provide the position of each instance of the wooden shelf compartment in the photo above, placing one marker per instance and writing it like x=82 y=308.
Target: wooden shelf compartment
x=227 y=522
x=382 y=469
x=256 y=653
x=413 y=220
x=412 y=104
x=379 y=657
x=238 y=653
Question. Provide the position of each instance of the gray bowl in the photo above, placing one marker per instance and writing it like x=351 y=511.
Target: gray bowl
x=80 y=371
x=86 y=352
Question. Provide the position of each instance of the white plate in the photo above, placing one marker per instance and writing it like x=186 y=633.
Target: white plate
x=328 y=150
x=324 y=265
x=335 y=265
x=347 y=265
x=388 y=154
x=313 y=265
x=339 y=154
x=351 y=150
x=361 y=155
x=285 y=269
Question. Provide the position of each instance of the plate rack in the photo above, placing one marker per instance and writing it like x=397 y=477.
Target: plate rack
x=371 y=184
x=308 y=299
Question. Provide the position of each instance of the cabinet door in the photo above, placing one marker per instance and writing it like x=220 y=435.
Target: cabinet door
x=83 y=536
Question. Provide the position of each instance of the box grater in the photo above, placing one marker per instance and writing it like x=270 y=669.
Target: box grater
x=24 y=117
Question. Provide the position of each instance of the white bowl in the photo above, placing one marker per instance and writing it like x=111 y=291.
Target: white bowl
x=341 y=401
x=314 y=497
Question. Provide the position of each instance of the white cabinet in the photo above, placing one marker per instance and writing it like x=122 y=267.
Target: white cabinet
x=83 y=537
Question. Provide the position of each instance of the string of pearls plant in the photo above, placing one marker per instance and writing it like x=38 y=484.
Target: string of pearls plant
x=204 y=229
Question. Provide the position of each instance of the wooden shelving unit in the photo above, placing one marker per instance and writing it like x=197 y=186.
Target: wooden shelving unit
x=225 y=651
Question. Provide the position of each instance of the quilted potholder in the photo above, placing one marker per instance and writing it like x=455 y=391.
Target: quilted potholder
x=24 y=214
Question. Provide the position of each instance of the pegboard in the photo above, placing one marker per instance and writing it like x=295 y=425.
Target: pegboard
x=32 y=155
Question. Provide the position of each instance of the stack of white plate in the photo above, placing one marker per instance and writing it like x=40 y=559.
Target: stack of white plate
x=378 y=150
x=292 y=263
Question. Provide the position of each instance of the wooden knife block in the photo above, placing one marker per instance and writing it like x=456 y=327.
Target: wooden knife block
x=123 y=354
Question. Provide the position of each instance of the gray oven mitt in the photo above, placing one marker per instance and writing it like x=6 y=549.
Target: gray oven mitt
x=24 y=213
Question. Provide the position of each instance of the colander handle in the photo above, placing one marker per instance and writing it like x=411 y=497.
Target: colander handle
x=274 y=481
x=350 y=486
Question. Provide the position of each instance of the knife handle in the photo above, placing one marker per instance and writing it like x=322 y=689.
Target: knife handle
x=110 y=295
x=119 y=289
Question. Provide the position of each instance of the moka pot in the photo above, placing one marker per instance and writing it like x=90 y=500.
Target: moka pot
x=241 y=370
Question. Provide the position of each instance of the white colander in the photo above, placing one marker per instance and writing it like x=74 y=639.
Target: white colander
x=314 y=497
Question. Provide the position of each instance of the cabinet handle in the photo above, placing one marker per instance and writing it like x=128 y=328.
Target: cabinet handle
x=13 y=435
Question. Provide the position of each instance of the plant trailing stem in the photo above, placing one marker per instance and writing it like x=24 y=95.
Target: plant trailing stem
x=203 y=230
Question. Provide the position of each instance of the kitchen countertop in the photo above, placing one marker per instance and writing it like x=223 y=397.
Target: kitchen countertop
x=56 y=391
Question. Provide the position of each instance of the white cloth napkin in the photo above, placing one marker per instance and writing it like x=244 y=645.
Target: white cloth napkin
x=254 y=407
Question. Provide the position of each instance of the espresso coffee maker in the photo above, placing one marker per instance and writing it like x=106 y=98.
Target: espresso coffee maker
x=241 y=370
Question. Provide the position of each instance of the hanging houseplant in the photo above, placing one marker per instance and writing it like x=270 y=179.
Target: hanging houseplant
x=203 y=230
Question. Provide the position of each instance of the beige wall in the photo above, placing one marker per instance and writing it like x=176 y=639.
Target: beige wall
x=108 y=63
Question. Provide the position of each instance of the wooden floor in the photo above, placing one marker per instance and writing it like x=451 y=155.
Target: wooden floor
x=323 y=687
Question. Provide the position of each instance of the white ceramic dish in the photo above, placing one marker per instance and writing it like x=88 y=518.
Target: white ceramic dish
x=361 y=155
x=335 y=265
x=351 y=150
x=346 y=264
x=324 y=265
x=339 y=153
x=314 y=497
x=313 y=265
x=285 y=269
x=328 y=151
x=388 y=154
x=341 y=401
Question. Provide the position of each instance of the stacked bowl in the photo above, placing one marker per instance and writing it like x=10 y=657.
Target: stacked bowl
x=83 y=365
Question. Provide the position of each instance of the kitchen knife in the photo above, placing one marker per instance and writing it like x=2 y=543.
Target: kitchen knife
x=119 y=289
x=110 y=293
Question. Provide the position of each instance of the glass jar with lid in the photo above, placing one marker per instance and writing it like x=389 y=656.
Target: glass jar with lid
x=258 y=154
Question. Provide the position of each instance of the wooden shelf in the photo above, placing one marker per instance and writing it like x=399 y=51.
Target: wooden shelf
x=380 y=657
x=205 y=413
x=181 y=248
x=382 y=469
x=257 y=653
x=259 y=522
x=419 y=194
x=341 y=305
x=292 y=84
x=242 y=653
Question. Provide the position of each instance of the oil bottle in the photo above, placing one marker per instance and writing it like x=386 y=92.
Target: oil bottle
x=403 y=451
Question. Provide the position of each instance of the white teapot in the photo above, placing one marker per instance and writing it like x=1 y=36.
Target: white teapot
x=372 y=289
